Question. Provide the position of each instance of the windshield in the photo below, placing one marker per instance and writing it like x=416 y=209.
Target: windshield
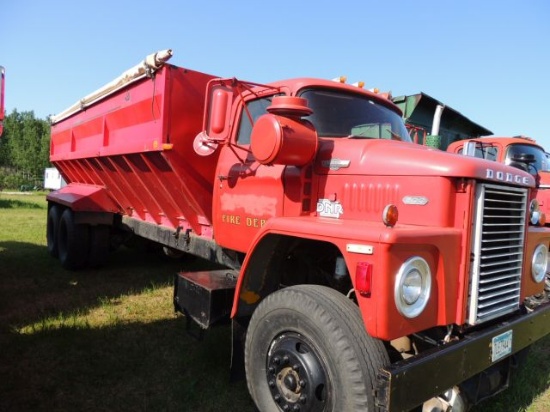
x=338 y=114
x=541 y=162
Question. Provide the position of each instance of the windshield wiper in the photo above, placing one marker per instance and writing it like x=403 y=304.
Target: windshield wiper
x=396 y=135
x=358 y=136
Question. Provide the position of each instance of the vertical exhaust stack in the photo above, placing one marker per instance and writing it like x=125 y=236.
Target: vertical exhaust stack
x=434 y=140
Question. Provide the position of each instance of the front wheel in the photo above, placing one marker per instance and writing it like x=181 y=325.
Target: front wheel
x=307 y=350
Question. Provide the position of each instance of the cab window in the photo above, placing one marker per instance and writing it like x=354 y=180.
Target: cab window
x=254 y=108
x=484 y=151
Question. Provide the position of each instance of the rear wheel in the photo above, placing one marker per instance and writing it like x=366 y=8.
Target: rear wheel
x=73 y=242
x=306 y=349
x=54 y=215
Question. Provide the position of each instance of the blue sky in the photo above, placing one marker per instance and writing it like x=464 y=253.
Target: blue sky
x=490 y=60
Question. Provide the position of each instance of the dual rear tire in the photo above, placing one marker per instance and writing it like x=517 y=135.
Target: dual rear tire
x=77 y=245
x=54 y=216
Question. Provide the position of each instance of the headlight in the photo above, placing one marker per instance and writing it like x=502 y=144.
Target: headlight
x=539 y=262
x=412 y=287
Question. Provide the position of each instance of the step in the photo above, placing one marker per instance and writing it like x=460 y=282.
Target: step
x=205 y=296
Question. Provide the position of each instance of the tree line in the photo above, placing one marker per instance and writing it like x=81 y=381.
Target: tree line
x=24 y=150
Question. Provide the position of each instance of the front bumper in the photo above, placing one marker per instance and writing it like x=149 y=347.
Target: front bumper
x=408 y=383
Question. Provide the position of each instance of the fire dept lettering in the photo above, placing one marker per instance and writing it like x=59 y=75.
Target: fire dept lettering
x=247 y=220
x=231 y=219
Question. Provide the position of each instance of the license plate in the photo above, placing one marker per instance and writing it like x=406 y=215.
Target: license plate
x=501 y=346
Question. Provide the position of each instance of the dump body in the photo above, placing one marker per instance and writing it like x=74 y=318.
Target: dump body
x=136 y=143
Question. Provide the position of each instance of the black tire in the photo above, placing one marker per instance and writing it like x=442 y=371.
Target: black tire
x=100 y=243
x=73 y=242
x=307 y=348
x=54 y=215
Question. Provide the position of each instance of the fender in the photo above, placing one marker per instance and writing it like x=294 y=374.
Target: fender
x=386 y=249
x=315 y=228
x=84 y=198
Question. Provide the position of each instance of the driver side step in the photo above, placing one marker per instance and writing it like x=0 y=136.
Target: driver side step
x=206 y=296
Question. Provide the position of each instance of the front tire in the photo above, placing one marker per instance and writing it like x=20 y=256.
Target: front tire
x=307 y=349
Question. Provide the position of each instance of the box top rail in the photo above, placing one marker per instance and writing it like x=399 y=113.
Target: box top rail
x=145 y=68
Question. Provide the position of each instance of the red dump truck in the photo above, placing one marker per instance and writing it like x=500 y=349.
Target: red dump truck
x=359 y=270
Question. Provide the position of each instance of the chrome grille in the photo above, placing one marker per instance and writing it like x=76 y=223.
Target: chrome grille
x=497 y=251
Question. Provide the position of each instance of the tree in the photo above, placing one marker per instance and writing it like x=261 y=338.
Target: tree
x=24 y=147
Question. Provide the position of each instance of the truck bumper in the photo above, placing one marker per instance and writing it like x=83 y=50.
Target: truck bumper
x=410 y=382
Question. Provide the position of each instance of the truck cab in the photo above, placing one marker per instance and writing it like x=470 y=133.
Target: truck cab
x=518 y=151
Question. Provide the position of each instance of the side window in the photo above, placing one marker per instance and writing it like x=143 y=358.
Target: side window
x=255 y=108
x=484 y=152
x=491 y=153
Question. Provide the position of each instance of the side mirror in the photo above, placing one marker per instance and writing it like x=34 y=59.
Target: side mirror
x=217 y=113
x=2 y=81
x=220 y=99
x=220 y=107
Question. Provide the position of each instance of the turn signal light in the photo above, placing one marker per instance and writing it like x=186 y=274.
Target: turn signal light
x=390 y=215
x=363 y=278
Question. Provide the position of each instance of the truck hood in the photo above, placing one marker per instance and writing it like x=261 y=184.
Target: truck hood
x=393 y=158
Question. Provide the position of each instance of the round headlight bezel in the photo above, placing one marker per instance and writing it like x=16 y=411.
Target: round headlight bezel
x=409 y=301
x=538 y=269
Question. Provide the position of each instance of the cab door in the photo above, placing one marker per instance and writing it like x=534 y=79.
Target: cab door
x=246 y=193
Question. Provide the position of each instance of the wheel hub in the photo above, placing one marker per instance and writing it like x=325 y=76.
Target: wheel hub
x=287 y=384
x=295 y=374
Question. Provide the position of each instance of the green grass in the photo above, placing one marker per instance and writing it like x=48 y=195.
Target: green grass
x=108 y=340
x=101 y=340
